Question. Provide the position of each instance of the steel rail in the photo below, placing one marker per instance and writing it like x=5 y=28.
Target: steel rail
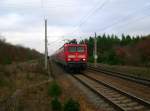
x=130 y=96
x=145 y=82
x=97 y=93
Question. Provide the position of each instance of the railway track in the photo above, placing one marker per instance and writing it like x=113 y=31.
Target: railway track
x=120 y=75
x=120 y=100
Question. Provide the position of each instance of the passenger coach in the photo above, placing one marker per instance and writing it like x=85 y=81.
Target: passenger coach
x=72 y=56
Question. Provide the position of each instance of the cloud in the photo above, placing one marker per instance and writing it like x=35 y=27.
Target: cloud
x=9 y=20
x=34 y=37
x=22 y=22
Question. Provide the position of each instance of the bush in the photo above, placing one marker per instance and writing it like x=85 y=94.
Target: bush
x=4 y=71
x=91 y=59
x=54 y=89
x=29 y=77
x=71 y=105
x=3 y=82
x=56 y=105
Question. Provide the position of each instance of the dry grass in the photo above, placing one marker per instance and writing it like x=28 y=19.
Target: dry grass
x=35 y=99
x=20 y=75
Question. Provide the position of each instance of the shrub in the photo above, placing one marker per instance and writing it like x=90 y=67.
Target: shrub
x=56 y=105
x=91 y=59
x=54 y=89
x=8 y=61
x=20 y=106
x=4 y=71
x=3 y=82
x=29 y=76
x=71 y=105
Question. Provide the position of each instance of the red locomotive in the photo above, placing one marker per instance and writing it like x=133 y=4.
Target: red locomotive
x=72 y=56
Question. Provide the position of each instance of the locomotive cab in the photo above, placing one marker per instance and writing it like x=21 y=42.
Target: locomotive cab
x=76 y=56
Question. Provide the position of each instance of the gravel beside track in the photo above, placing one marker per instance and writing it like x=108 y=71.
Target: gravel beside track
x=120 y=100
x=72 y=88
x=134 y=88
x=99 y=102
x=120 y=75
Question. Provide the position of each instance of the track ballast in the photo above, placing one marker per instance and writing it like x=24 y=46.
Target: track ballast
x=119 y=99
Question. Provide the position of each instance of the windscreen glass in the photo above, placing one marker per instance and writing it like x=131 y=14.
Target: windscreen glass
x=80 y=49
x=72 y=49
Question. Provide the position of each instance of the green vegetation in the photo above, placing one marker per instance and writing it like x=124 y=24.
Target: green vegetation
x=55 y=92
x=4 y=74
x=71 y=105
x=56 y=104
x=121 y=50
x=54 y=89
x=3 y=82
x=29 y=76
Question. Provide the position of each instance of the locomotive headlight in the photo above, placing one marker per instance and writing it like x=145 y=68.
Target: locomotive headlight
x=69 y=59
x=84 y=59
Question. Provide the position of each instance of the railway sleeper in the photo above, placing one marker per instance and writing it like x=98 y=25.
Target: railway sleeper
x=117 y=101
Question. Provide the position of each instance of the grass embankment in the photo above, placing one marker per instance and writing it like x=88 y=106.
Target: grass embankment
x=141 y=72
x=20 y=75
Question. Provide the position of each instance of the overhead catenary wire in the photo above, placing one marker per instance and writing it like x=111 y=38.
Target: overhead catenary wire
x=122 y=20
x=90 y=13
x=94 y=11
x=55 y=43
x=37 y=3
x=99 y=6
x=137 y=19
x=85 y=18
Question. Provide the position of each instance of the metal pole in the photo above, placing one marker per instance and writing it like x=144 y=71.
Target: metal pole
x=46 y=54
x=95 y=51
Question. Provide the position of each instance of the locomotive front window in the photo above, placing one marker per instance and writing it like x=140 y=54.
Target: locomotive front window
x=80 y=49
x=72 y=49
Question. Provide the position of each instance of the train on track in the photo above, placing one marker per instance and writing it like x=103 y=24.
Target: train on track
x=72 y=56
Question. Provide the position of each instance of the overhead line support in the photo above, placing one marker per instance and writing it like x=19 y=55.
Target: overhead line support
x=46 y=50
x=95 y=51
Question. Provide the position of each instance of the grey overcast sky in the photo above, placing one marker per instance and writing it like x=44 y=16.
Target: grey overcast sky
x=22 y=21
